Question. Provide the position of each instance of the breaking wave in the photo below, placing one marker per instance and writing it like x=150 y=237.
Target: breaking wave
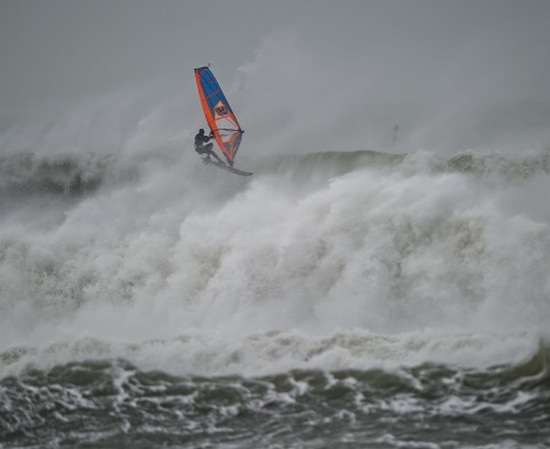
x=72 y=173
x=137 y=293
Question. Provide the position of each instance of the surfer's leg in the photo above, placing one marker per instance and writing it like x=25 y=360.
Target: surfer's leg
x=203 y=152
x=207 y=149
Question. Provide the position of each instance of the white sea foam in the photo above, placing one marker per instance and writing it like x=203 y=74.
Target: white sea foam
x=354 y=262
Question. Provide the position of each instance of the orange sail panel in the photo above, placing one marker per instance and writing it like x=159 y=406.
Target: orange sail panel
x=218 y=113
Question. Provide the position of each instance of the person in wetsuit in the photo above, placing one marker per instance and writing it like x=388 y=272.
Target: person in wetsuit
x=203 y=147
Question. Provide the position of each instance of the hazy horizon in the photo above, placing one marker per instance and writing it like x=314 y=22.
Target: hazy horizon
x=452 y=75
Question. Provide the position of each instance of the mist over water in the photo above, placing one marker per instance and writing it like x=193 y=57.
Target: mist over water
x=360 y=271
x=113 y=233
x=326 y=260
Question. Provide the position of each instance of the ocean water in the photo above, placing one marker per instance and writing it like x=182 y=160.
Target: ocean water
x=332 y=300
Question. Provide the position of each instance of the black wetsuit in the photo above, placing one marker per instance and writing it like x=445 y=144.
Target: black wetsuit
x=201 y=148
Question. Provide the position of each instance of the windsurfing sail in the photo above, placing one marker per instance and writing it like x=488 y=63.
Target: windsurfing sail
x=218 y=113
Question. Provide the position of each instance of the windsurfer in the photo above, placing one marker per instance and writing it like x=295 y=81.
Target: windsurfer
x=200 y=140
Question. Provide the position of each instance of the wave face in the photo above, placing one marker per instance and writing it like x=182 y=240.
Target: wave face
x=355 y=299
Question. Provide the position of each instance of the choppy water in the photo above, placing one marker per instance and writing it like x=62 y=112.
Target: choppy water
x=115 y=404
x=332 y=300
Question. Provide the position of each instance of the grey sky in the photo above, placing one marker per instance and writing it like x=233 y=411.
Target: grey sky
x=419 y=57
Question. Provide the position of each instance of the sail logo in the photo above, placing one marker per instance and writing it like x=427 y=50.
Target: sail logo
x=220 y=109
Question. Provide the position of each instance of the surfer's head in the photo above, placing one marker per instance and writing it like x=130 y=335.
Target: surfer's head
x=201 y=131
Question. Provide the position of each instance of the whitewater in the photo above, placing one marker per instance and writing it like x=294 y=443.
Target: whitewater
x=333 y=299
